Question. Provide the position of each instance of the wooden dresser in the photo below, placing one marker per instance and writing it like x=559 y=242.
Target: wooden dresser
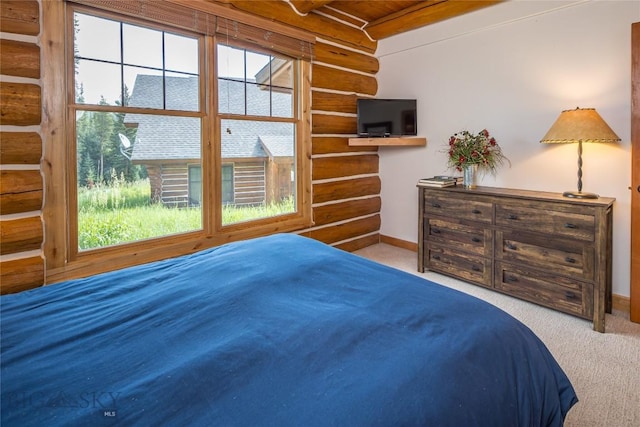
x=541 y=247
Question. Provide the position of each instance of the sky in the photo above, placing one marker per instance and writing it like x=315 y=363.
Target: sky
x=99 y=41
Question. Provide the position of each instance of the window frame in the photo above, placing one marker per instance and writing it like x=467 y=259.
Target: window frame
x=73 y=251
x=63 y=259
x=296 y=110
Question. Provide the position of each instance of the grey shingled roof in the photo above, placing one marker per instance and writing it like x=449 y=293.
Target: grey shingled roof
x=277 y=146
x=178 y=138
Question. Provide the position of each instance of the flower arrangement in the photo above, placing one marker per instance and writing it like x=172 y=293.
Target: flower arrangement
x=481 y=149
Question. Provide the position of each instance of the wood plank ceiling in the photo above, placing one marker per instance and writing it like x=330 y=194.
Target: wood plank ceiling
x=382 y=19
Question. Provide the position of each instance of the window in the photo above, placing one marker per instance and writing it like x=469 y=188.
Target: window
x=227 y=184
x=178 y=134
x=138 y=131
x=256 y=104
x=195 y=185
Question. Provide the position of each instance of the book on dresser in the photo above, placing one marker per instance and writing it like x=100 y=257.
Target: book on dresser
x=440 y=181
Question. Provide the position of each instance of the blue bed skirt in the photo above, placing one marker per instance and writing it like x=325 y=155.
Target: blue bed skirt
x=275 y=331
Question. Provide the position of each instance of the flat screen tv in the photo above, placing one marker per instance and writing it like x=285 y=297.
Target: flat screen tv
x=386 y=117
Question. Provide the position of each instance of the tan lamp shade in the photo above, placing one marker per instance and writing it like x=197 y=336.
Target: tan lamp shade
x=580 y=125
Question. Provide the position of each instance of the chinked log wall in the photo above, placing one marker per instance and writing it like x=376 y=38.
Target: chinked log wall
x=21 y=184
x=346 y=184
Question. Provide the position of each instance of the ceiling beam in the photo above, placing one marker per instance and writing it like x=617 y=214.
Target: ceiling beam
x=422 y=14
x=305 y=6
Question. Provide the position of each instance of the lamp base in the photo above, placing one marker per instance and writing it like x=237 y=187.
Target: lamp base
x=580 y=195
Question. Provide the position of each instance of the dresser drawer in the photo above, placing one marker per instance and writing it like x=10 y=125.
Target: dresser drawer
x=452 y=262
x=470 y=239
x=557 y=223
x=545 y=288
x=534 y=245
x=457 y=206
x=567 y=257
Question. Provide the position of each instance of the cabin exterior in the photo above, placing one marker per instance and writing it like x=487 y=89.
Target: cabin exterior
x=257 y=160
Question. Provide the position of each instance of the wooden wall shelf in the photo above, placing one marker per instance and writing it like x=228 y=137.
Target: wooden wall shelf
x=405 y=141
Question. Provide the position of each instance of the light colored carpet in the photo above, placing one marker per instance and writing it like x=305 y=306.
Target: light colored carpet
x=603 y=368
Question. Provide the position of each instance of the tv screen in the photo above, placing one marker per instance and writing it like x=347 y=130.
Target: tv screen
x=386 y=117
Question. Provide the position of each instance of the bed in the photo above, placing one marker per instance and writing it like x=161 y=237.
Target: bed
x=275 y=331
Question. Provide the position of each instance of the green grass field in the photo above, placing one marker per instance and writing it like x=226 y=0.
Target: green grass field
x=123 y=212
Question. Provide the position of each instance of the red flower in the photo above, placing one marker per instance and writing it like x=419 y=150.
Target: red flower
x=481 y=149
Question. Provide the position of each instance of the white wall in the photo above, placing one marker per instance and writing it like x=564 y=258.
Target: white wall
x=512 y=68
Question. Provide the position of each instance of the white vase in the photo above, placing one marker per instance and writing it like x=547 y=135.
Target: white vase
x=470 y=176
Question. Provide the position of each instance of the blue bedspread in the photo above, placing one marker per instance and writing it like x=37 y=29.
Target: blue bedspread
x=278 y=331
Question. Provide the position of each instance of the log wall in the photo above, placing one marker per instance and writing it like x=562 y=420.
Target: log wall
x=346 y=184
x=21 y=183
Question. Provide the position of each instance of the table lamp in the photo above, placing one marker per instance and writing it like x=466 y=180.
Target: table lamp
x=579 y=125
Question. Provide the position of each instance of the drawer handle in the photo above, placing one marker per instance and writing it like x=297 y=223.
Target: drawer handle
x=570 y=295
x=436 y=257
x=476 y=268
x=512 y=279
x=512 y=247
x=476 y=240
x=435 y=205
x=570 y=260
x=435 y=231
x=476 y=211
x=569 y=225
x=512 y=216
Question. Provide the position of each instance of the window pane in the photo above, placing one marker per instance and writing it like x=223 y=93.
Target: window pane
x=97 y=82
x=97 y=38
x=227 y=183
x=258 y=100
x=145 y=86
x=142 y=46
x=182 y=92
x=133 y=177
x=195 y=185
x=269 y=101
x=181 y=53
x=150 y=89
x=148 y=83
x=254 y=84
x=282 y=70
x=257 y=63
x=282 y=103
x=263 y=169
x=282 y=79
x=231 y=96
x=230 y=63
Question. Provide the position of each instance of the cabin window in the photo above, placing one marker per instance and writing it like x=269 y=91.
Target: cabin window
x=177 y=134
x=255 y=103
x=227 y=183
x=138 y=131
x=195 y=185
